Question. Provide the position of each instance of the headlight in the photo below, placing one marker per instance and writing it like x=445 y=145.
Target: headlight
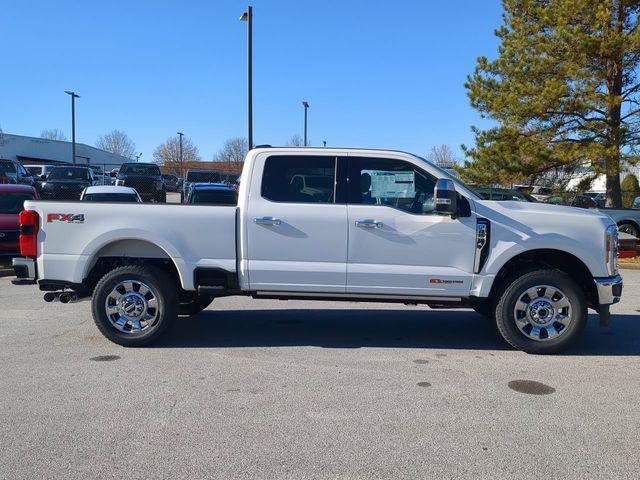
x=611 y=249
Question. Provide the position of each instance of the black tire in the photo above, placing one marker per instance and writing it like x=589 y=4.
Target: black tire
x=164 y=290
x=629 y=228
x=194 y=306
x=513 y=291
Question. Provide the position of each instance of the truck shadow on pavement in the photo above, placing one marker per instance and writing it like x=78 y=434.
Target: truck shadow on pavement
x=344 y=328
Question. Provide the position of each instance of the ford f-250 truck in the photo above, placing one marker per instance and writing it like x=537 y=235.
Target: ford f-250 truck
x=382 y=226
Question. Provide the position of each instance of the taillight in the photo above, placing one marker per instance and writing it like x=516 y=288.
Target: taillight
x=29 y=225
x=4 y=180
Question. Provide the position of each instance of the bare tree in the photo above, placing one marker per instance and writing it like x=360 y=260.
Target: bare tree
x=53 y=134
x=118 y=143
x=295 y=141
x=442 y=156
x=168 y=153
x=233 y=151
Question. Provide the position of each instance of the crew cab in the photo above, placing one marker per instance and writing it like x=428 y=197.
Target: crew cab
x=381 y=226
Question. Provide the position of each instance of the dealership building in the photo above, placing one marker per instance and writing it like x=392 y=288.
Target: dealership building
x=41 y=151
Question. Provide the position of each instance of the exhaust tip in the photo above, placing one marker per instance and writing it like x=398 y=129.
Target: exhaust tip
x=64 y=298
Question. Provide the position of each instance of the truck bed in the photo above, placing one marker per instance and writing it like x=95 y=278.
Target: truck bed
x=191 y=236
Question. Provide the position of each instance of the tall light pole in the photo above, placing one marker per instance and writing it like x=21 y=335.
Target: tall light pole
x=73 y=123
x=138 y=156
x=248 y=17
x=305 y=104
x=180 y=135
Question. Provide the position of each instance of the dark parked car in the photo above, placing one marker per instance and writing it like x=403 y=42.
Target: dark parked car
x=212 y=194
x=66 y=183
x=145 y=178
x=198 y=176
x=170 y=182
x=12 y=198
x=12 y=171
x=504 y=194
x=581 y=201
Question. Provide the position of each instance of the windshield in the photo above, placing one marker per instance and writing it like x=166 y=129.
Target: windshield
x=203 y=177
x=147 y=170
x=34 y=170
x=110 y=197
x=80 y=174
x=13 y=202
x=214 y=197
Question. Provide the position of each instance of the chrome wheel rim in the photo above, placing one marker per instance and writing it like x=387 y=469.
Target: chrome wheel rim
x=542 y=313
x=132 y=307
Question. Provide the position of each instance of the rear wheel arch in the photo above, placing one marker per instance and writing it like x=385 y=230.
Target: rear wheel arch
x=130 y=252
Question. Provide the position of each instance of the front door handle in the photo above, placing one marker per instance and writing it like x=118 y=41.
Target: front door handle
x=267 y=221
x=368 y=224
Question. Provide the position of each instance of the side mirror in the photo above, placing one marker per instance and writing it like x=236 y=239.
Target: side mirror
x=446 y=197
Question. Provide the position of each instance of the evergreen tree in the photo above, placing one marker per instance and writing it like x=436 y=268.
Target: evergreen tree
x=563 y=90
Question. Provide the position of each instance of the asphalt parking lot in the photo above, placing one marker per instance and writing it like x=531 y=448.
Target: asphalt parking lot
x=269 y=389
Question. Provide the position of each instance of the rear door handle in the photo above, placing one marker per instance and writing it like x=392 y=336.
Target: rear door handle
x=368 y=224
x=267 y=221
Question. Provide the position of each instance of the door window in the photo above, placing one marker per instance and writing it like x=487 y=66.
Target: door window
x=299 y=179
x=393 y=183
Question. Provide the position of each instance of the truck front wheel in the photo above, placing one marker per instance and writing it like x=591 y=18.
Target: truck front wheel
x=134 y=304
x=542 y=311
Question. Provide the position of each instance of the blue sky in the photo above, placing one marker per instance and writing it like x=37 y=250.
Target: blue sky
x=376 y=73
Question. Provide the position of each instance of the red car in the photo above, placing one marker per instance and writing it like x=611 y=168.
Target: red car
x=12 y=199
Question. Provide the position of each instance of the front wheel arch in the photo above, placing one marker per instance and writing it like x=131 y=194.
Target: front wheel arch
x=548 y=258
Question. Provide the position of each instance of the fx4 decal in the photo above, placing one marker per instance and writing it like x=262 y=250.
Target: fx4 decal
x=65 y=217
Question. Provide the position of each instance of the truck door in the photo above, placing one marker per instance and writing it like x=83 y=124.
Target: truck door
x=398 y=244
x=296 y=232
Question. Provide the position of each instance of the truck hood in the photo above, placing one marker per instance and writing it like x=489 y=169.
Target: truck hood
x=518 y=209
x=530 y=219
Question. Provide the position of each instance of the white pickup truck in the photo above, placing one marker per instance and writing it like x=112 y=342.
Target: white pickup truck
x=340 y=224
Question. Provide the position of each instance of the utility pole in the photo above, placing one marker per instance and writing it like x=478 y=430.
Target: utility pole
x=305 y=104
x=138 y=156
x=180 y=135
x=248 y=17
x=73 y=123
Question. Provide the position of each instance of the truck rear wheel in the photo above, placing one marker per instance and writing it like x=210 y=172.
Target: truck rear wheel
x=134 y=304
x=542 y=311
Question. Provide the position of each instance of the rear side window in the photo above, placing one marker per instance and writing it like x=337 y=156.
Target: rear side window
x=299 y=179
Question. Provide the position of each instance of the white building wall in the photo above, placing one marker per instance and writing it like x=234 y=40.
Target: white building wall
x=19 y=147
